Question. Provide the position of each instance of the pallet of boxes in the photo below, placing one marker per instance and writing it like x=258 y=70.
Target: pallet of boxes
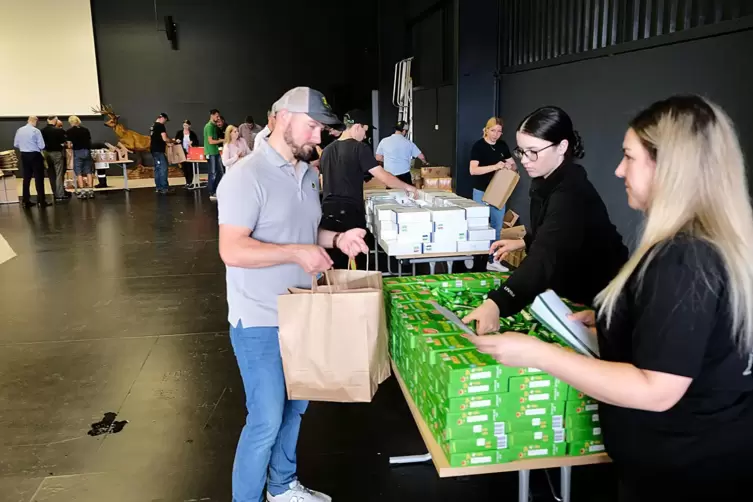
x=437 y=222
x=479 y=411
x=8 y=185
x=434 y=178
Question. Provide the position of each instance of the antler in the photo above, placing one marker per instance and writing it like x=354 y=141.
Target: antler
x=104 y=110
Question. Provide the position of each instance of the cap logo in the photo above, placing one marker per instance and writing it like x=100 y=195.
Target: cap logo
x=324 y=102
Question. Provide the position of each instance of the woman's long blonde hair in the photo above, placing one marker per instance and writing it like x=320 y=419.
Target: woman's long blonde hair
x=229 y=131
x=699 y=188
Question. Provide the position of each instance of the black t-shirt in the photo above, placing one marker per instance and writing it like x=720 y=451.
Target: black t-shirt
x=54 y=137
x=344 y=165
x=488 y=155
x=80 y=138
x=677 y=321
x=158 y=144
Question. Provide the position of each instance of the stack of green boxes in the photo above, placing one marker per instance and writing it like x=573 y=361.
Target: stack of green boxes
x=480 y=411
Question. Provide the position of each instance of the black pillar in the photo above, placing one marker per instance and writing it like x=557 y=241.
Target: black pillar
x=476 y=63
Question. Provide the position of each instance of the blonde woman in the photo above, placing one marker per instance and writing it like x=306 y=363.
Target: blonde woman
x=80 y=140
x=235 y=147
x=489 y=155
x=675 y=326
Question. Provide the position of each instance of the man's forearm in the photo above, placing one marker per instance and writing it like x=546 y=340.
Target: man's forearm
x=251 y=253
x=326 y=238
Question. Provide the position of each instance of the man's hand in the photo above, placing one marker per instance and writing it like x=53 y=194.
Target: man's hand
x=511 y=349
x=312 y=259
x=501 y=249
x=511 y=165
x=500 y=165
x=352 y=242
x=411 y=191
x=587 y=317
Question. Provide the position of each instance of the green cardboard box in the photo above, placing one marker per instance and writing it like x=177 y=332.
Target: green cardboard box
x=542 y=395
x=581 y=406
x=423 y=295
x=475 y=444
x=482 y=402
x=574 y=394
x=589 y=434
x=538 y=450
x=466 y=431
x=527 y=423
x=469 y=366
x=432 y=346
x=406 y=279
x=520 y=439
x=396 y=289
x=582 y=420
x=536 y=383
x=587 y=447
x=479 y=458
x=515 y=409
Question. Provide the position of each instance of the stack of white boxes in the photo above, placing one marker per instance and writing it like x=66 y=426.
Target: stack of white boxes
x=436 y=223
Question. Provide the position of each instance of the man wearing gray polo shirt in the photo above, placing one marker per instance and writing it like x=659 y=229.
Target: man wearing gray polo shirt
x=270 y=241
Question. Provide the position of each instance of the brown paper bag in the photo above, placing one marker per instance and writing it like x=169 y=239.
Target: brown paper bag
x=333 y=338
x=175 y=154
x=500 y=188
x=513 y=233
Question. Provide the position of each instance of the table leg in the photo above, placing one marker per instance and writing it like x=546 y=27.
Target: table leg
x=565 y=473
x=414 y=269
x=376 y=255
x=432 y=267
x=125 y=177
x=523 y=485
x=399 y=268
x=449 y=267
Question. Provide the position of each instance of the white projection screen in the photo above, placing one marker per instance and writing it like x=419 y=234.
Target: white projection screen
x=47 y=59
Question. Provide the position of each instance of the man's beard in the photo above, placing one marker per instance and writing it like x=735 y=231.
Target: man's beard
x=300 y=152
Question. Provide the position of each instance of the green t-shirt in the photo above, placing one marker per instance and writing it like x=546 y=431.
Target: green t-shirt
x=210 y=131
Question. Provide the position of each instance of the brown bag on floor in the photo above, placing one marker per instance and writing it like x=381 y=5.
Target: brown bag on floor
x=333 y=338
x=175 y=154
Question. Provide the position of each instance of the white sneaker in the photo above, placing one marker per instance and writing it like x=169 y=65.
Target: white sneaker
x=213 y=198
x=299 y=493
x=496 y=267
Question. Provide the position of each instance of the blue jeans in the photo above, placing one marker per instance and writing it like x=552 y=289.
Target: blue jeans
x=495 y=215
x=82 y=162
x=266 y=449
x=160 y=171
x=215 y=173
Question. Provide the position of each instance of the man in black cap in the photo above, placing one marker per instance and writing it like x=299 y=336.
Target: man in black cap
x=344 y=165
x=158 y=147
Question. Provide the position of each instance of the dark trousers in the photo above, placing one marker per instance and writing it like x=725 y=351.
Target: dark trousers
x=340 y=217
x=187 y=171
x=56 y=173
x=33 y=165
x=405 y=178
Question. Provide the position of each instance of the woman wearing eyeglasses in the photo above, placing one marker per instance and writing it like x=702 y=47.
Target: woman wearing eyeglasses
x=572 y=246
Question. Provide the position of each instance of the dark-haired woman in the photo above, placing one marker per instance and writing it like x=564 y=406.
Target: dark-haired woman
x=187 y=138
x=573 y=247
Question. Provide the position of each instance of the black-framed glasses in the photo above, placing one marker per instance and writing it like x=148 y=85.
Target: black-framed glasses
x=533 y=155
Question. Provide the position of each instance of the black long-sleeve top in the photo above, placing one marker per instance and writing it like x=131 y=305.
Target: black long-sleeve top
x=573 y=247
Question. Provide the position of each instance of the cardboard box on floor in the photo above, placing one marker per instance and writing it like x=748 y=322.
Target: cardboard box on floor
x=500 y=188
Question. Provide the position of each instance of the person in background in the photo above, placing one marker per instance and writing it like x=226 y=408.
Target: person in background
x=396 y=152
x=264 y=133
x=221 y=125
x=29 y=141
x=489 y=155
x=212 y=144
x=573 y=247
x=248 y=131
x=187 y=138
x=235 y=148
x=344 y=164
x=54 y=141
x=80 y=140
x=270 y=240
x=158 y=134
x=675 y=325
x=68 y=162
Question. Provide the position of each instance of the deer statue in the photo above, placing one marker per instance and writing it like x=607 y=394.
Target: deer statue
x=127 y=140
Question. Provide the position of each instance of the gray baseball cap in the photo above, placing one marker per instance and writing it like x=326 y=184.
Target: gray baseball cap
x=308 y=101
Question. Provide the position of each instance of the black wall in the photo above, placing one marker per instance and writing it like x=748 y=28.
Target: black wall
x=238 y=56
x=602 y=94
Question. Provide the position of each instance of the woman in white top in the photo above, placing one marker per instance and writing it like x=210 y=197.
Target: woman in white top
x=235 y=147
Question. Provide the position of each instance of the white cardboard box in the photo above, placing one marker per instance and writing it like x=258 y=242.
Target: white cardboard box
x=472 y=246
x=473 y=209
x=447 y=214
x=449 y=236
x=478 y=223
x=451 y=226
x=404 y=237
x=394 y=248
x=440 y=247
x=416 y=227
x=411 y=214
x=387 y=230
x=486 y=234
x=385 y=212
